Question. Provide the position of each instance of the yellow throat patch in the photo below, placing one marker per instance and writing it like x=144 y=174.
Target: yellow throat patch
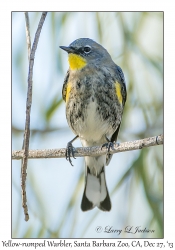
x=118 y=92
x=76 y=61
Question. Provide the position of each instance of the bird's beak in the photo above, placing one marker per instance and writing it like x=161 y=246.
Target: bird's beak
x=67 y=49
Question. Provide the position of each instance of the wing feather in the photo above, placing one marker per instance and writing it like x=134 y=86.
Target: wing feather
x=121 y=79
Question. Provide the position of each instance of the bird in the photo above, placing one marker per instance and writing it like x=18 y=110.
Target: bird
x=94 y=91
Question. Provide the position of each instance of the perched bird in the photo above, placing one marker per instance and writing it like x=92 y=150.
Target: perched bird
x=95 y=94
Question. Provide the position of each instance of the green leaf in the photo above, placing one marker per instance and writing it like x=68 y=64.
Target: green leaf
x=53 y=107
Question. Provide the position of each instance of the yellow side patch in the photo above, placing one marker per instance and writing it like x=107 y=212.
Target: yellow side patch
x=68 y=89
x=76 y=61
x=118 y=92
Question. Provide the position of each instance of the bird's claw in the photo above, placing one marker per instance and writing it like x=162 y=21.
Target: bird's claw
x=109 y=145
x=69 y=152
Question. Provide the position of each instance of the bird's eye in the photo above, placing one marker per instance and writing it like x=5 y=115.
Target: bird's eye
x=87 y=49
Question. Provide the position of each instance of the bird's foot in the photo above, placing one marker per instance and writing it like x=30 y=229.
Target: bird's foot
x=70 y=152
x=109 y=144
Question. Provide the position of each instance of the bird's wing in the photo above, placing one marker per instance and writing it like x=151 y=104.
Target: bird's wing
x=121 y=80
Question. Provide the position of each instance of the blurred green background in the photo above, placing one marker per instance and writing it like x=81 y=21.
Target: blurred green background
x=135 y=179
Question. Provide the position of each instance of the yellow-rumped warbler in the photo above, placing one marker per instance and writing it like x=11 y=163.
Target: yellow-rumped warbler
x=95 y=93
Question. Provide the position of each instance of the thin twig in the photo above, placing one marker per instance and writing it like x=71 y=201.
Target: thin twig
x=90 y=151
x=23 y=168
x=27 y=123
x=28 y=34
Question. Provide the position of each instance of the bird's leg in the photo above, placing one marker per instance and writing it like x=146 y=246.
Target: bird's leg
x=70 y=150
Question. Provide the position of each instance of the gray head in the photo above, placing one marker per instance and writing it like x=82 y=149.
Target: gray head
x=89 y=50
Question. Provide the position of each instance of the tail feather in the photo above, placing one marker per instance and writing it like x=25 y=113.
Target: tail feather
x=86 y=204
x=95 y=192
x=106 y=204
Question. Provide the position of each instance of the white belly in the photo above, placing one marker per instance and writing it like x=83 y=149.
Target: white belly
x=93 y=129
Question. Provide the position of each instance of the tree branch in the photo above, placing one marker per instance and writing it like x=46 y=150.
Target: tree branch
x=28 y=108
x=90 y=151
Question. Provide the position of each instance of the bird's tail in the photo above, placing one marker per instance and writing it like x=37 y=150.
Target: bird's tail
x=95 y=192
